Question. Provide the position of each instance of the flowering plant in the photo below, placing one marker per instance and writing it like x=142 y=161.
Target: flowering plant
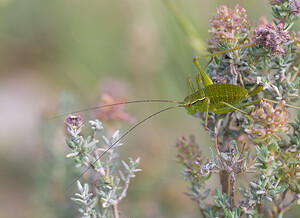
x=264 y=143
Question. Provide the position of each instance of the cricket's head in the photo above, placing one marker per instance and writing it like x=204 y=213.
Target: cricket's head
x=195 y=102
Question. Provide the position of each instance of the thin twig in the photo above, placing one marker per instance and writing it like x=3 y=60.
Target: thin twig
x=123 y=194
x=115 y=211
x=283 y=207
x=216 y=141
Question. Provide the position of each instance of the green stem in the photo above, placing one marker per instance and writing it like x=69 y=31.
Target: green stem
x=190 y=31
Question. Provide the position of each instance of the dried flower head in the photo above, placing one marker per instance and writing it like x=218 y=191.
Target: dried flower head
x=267 y=121
x=74 y=121
x=272 y=38
x=227 y=26
x=113 y=113
x=74 y=125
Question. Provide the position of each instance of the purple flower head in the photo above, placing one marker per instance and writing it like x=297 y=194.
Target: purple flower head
x=295 y=8
x=272 y=38
x=276 y=2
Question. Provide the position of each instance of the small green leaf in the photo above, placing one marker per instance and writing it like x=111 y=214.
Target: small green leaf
x=253 y=185
x=224 y=156
x=122 y=175
x=125 y=165
x=92 y=203
x=72 y=154
x=268 y=198
x=282 y=188
x=79 y=186
x=78 y=201
x=260 y=192
x=70 y=144
x=205 y=194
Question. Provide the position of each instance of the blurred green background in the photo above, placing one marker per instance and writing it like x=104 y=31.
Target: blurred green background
x=56 y=57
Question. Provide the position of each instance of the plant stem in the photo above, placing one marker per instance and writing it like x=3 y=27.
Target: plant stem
x=123 y=194
x=224 y=178
x=284 y=207
x=260 y=208
x=232 y=189
x=115 y=211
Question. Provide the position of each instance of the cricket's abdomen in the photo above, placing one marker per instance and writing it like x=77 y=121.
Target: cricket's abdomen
x=222 y=92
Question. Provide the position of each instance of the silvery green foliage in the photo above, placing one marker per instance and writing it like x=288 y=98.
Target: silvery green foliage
x=266 y=185
x=222 y=207
x=295 y=136
x=85 y=201
x=199 y=194
x=110 y=187
x=110 y=191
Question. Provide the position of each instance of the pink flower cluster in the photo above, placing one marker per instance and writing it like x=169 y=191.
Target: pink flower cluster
x=113 y=113
x=267 y=121
x=276 y=2
x=227 y=25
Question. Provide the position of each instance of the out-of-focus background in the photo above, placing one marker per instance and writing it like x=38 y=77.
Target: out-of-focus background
x=58 y=56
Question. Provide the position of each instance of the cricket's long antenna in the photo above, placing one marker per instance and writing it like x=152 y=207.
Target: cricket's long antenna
x=225 y=51
x=147 y=118
x=120 y=103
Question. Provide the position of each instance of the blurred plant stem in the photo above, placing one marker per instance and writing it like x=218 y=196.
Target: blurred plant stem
x=191 y=32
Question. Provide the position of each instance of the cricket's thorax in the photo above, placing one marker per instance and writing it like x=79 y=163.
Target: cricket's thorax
x=216 y=93
x=192 y=108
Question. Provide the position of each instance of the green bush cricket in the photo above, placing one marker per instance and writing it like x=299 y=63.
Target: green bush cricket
x=218 y=98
